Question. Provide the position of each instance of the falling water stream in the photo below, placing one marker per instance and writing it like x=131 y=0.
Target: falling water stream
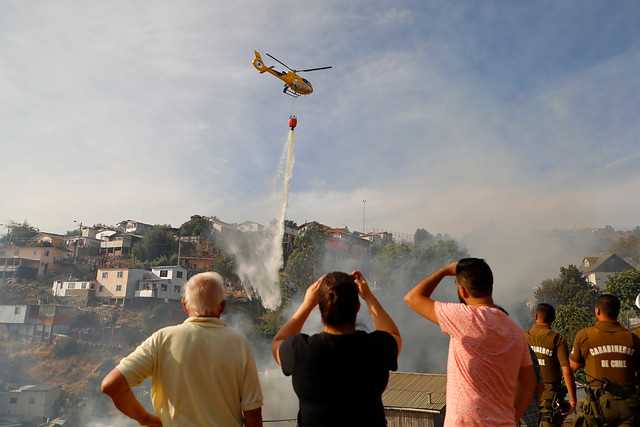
x=260 y=259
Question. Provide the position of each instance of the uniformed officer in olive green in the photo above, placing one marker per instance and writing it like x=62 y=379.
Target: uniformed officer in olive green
x=552 y=352
x=611 y=356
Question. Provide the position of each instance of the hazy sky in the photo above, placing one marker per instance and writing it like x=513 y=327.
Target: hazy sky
x=451 y=116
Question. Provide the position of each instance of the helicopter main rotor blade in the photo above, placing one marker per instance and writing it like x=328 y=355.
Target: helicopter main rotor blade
x=276 y=59
x=312 y=69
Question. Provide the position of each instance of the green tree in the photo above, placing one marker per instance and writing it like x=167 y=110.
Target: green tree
x=197 y=226
x=19 y=234
x=304 y=261
x=570 y=288
x=569 y=320
x=423 y=238
x=626 y=286
x=158 y=241
x=289 y=223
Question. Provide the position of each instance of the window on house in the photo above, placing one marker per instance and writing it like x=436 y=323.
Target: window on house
x=32 y=400
x=71 y=286
x=105 y=274
x=101 y=288
x=13 y=400
x=118 y=288
x=84 y=285
x=16 y=253
x=176 y=289
x=35 y=252
x=46 y=253
x=120 y=274
x=163 y=287
x=179 y=274
x=163 y=273
x=16 y=310
x=92 y=286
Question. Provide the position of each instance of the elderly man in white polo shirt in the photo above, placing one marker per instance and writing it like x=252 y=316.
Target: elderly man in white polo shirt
x=203 y=373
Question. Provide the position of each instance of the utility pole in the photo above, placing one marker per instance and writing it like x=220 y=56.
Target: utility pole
x=6 y=254
x=364 y=209
x=75 y=255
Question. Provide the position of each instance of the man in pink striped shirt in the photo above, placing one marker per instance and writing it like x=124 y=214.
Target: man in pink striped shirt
x=490 y=376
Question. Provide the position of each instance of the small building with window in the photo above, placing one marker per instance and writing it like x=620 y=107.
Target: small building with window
x=415 y=399
x=167 y=283
x=119 y=284
x=598 y=269
x=36 y=322
x=30 y=261
x=32 y=403
x=74 y=289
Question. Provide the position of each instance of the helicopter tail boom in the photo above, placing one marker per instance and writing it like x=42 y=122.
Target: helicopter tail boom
x=259 y=64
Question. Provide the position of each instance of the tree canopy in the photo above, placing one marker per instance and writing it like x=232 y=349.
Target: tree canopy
x=158 y=241
x=570 y=288
x=626 y=286
x=304 y=261
x=197 y=226
x=19 y=234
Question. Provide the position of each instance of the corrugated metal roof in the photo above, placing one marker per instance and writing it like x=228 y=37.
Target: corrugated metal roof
x=411 y=391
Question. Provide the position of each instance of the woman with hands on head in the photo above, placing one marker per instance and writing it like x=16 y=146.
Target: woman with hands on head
x=340 y=373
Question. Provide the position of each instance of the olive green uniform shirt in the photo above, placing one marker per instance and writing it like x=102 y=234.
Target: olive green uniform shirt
x=608 y=351
x=551 y=350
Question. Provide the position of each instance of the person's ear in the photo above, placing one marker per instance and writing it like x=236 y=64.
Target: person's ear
x=536 y=316
x=464 y=292
x=223 y=305
x=184 y=306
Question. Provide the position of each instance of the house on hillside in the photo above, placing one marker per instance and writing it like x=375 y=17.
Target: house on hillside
x=78 y=290
x=342 y=245
x=598 y=269
x=47 y=239
x=30 y=261
x=167 y=283
x=116 y=243
x=87 y=239
x=36 y=322
x=414 y=399
x=221 y=226
x=249 y=227
x=32 y=403
x=119 y=284
x=380 y=239
x=130 y=226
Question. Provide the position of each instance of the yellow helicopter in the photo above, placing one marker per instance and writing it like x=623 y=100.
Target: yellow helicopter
x=294 y=85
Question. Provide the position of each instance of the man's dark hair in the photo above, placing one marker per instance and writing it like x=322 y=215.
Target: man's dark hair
x=609 y=305
x=475 y=276
x=546 y=313
x=338 y=299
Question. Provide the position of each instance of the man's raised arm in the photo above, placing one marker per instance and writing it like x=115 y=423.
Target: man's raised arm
x=419 y=298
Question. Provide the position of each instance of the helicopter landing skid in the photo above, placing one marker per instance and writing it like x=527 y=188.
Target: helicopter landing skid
x=287 y=90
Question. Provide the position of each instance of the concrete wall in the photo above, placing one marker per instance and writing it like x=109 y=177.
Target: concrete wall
x=35 y=403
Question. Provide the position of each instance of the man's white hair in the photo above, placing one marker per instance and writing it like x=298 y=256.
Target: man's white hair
x=204 y=294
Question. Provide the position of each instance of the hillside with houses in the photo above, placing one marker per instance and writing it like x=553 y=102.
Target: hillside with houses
x=72 y=305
